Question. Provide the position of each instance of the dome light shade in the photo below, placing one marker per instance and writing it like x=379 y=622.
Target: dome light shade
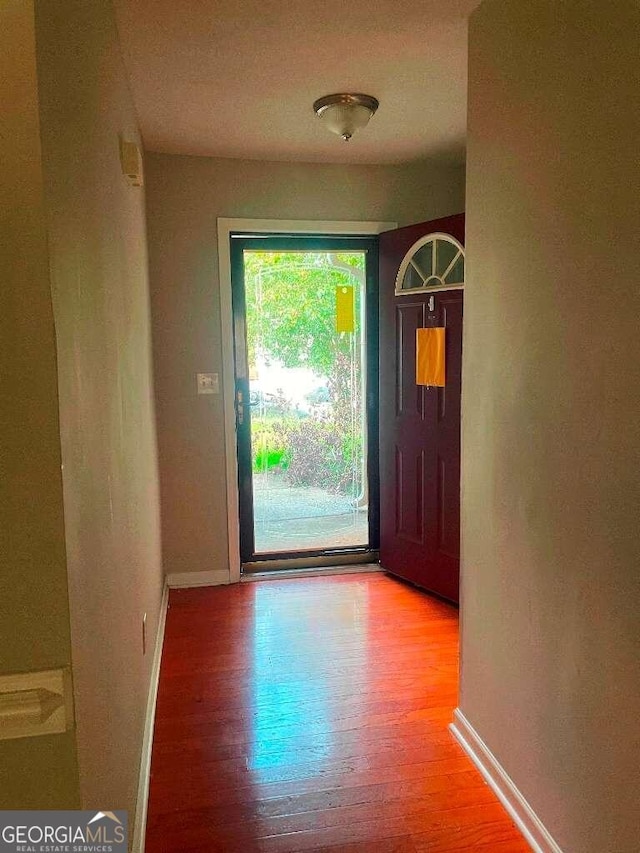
x=343 y=114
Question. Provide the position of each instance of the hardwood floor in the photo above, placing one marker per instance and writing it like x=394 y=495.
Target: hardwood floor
x=311 y=715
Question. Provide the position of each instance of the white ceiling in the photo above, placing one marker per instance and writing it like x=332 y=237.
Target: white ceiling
x=237 y=78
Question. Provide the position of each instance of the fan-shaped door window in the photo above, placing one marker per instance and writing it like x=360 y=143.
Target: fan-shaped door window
x=435 y=262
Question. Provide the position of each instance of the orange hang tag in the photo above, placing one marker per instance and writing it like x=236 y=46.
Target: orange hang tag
x=430 y=357
x=345 y=308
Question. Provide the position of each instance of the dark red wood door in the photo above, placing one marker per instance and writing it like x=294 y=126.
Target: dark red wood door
x=419 y=426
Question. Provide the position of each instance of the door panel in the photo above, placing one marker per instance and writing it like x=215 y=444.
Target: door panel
x=419 y=427
x=410 y=473
x=409 y=396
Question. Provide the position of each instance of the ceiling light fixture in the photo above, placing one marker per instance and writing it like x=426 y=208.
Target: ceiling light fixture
x=344 y=113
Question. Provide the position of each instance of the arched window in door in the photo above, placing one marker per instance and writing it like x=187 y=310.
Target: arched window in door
x=435 y=262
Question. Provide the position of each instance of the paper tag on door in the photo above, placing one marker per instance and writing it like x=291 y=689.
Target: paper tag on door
x=430 y=357
x=345 y=308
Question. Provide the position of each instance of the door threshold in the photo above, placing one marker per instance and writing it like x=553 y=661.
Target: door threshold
x=309 y=561
x=310 y=572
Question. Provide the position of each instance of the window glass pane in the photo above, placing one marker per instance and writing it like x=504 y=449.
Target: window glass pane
x=456 y=276
x=306 y=401
x=445 y=254
x=411 y=279
x=423 y=258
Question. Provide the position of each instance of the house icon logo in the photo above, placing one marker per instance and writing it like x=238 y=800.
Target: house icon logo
x=110 y=815
x=107 y=829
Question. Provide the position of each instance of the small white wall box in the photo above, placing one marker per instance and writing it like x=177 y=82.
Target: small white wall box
x=35 y=703
x=131 y=161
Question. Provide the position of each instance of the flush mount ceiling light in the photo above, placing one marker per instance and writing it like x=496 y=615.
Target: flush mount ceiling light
x=344 y=113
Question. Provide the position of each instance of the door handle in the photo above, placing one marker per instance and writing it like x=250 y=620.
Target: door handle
x=240 y=407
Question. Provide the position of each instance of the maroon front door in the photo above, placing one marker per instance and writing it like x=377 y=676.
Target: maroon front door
x=419 y=426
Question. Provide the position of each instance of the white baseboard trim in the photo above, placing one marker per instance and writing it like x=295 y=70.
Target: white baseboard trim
x=140 y=822
x=527 y=821
x=185 y=580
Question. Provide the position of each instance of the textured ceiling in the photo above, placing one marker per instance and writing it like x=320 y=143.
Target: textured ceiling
x=237 y=78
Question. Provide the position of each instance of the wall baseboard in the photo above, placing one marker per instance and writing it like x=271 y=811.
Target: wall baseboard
x=527 y=821
x=186 y=580
x=140 y=822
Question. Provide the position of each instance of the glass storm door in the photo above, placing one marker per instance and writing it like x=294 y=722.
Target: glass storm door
x=305 y=336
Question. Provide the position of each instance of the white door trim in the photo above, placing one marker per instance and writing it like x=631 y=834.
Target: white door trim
x=256 y=226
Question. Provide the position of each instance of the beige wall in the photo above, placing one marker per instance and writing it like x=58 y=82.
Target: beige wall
x=101 y=306
x=185 y=195
x=551 y=427
x=34 y=614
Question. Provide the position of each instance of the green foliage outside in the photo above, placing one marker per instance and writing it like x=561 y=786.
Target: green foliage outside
x=321 y=457
x=291 y=319
x=269 y=444
x=309 y=452
x=290 y=306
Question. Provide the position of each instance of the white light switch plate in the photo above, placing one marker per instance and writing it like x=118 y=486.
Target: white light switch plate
x=208 y=383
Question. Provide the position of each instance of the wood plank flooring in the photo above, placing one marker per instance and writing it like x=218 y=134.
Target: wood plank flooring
x=311 y=715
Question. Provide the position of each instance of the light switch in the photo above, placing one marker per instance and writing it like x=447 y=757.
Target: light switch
x=208 y=383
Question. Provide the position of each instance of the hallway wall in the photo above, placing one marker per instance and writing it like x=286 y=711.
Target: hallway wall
x=551 y=430
x=37 y=772
x=99 y=279
x=185 y=195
